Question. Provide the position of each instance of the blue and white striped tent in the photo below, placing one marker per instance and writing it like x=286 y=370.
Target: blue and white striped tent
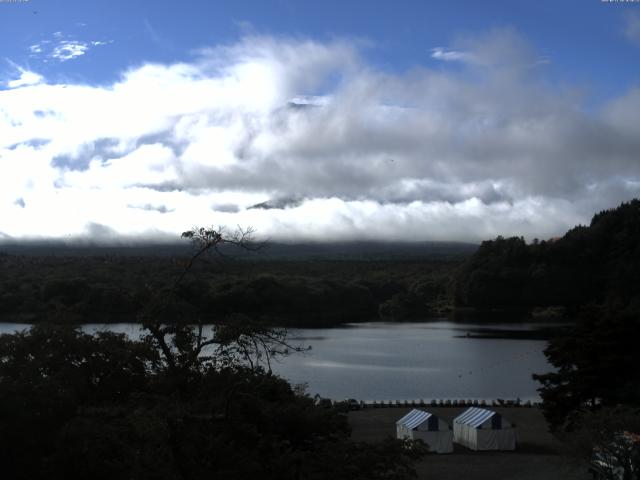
x=421 y=425
x=482 y=429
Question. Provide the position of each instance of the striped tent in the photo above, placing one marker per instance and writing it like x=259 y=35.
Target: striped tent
x=481 y=429
x=421 y=425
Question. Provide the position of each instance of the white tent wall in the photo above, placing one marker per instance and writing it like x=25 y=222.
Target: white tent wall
x=403 y=432
x=504 y=439
x=480 y=429
x=415 y=426
x=466 y=436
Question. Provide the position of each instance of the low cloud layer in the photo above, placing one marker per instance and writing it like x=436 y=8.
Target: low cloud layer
x=306 y=140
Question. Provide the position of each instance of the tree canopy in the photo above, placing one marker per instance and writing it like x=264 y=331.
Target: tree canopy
x=74 y=405
x=596 y=364
x=182 y=402
x=598 y=264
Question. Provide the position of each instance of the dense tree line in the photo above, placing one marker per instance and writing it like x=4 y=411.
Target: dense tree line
x=74 y=405
x=596 y=363
x=592 y=274
x=183 y=402
x=592 y=399
x=310 y=292
x=597 y=265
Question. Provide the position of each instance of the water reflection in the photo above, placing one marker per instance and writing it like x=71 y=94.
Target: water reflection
x=402 y=361
x=417 y=360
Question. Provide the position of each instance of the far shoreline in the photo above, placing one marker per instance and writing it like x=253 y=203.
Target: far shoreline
x=545 y=331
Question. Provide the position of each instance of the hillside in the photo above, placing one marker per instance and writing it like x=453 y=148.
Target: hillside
x=597 y=264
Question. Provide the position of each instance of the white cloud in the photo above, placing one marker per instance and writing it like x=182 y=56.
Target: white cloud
x=632 y=27
x=345 y=150
x=440 y=53
x=149 y=164
x=69 y=49
x=503 y=50
x=26 y=78
x=63 y=48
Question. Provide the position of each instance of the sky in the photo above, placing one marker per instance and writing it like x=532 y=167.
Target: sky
x=324 y=121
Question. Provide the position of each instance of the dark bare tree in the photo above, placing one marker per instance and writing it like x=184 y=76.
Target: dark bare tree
x=186 y=344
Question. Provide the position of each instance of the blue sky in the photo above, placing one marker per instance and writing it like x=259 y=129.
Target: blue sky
x=584 y=40
x=441 y=120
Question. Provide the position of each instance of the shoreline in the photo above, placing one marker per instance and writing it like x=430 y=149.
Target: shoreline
x=545 y=331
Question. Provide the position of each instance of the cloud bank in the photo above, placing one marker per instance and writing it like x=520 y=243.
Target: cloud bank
x=330 y=147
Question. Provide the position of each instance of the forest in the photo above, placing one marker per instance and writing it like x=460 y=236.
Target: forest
x=598 y=264
x=309 y=291
x=74 y=405
x=590 y=276
x=185 y=401
x=182 y=402
x=590 y=265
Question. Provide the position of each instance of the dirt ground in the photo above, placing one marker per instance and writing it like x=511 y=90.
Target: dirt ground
x=538 y=456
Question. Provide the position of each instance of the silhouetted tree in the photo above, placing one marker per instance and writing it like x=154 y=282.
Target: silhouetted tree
x=597 y=366
x=598 y=264
x=610 y=439
x=179 y=403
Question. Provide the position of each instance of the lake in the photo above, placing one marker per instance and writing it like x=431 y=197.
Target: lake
x=404 y=361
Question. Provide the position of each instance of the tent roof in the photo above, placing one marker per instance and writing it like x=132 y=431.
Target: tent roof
x=414 y=419
x=474 y=417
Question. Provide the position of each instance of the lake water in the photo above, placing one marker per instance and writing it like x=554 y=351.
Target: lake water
x=404 y=361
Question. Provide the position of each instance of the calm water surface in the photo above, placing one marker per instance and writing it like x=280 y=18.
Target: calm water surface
x=398 y=361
